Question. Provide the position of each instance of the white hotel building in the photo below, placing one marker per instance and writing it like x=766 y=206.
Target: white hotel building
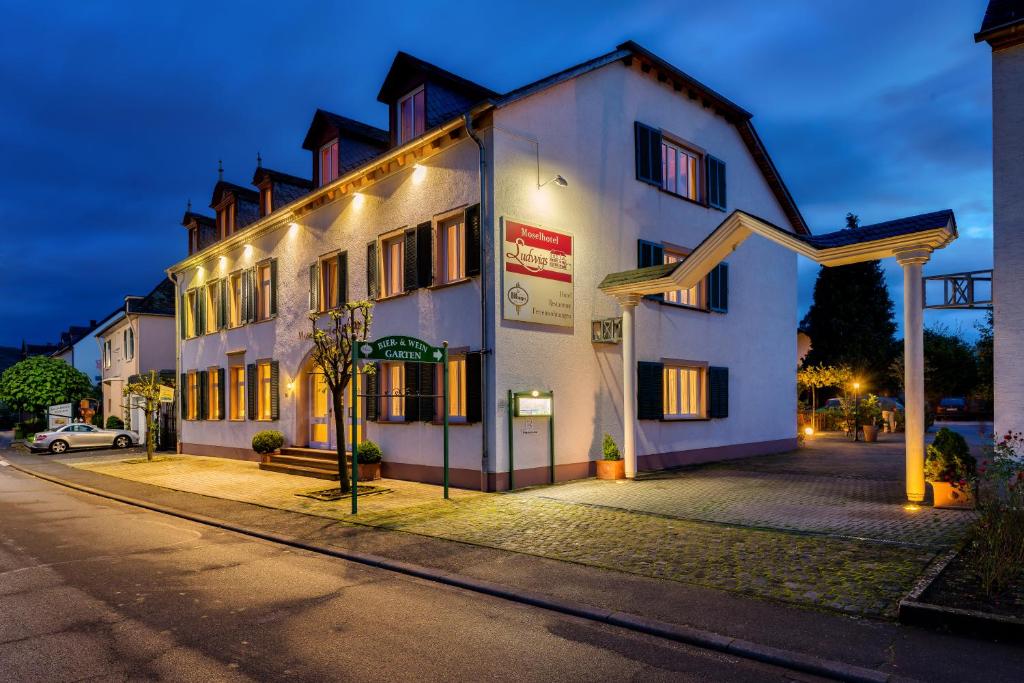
x=488 y=221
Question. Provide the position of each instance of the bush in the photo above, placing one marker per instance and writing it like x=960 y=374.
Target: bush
x=369 y=453
x=97 y=420
x=608 y=447
x=114 y=422
x=949 y=459
x=267 y=441
x=995 y=551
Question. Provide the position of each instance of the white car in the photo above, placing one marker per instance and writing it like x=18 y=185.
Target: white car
x=80 y=435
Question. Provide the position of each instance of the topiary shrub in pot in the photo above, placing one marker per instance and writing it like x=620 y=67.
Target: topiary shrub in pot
x=370 y=456
x=611 y=465
x=267 y=441
x=114 y=422
x=950 y=468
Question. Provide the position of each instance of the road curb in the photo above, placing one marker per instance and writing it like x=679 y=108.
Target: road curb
x=709 y=640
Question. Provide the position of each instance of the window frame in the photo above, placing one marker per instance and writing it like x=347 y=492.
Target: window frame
x=441 y=243
x=680 y=253
x=128 y=342
x=699 y=394
x=328 y=263
x=107 y=354
x=385 y=263
x=234 y=297
x=237 y=390
x=213 y=389
x=459 y=359
x=264 y=391
x=422 y=120
x=332 y=147
x=191 y=330
x=682 y=147
x=262 y=298
x=192 y=388
x=211 y=293
x=393 y=405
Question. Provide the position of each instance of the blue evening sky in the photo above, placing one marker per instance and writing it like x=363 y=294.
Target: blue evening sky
x=113 y=114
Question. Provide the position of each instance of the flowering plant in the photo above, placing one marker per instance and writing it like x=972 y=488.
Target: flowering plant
x=949 y=460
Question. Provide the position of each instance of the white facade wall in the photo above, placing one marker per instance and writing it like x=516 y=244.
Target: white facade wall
x=1008 y=229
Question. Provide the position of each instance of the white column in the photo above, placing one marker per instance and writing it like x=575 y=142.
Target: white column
x=913 y=365
x=628 y=303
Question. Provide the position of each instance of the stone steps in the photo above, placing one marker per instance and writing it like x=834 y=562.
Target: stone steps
x=306 y=462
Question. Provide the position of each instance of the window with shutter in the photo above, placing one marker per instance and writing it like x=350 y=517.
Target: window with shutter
x=474 y=395
x=718 y=392
x=250 y=391
x=650 y=254
x=427 y=387
x=183 y=395
x=372 y=402
x=718 y=288
x=716 y=183
x=648 y=153
x=473 y=240
x=683 y=391
x=410 y=270
x=412 y=386
x=182 y=320
x=372 y=280
x=424 y=258
x=275 y=389
x=222 y=296
x=649 y=392
x=314 y=286
x=342 y=261
x=221 y=388
x=203 y=390
x=273 y=288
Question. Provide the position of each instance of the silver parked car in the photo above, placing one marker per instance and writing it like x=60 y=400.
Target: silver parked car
x=80 y=435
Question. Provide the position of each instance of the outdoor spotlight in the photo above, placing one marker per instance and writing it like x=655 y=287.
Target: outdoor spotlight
x=557 y=180
x=534 y=393
x=808 y=431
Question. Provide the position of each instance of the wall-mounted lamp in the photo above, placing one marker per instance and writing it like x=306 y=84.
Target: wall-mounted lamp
x=557 y=180
x=247 y=250
x=357 y=199
x=419 y=171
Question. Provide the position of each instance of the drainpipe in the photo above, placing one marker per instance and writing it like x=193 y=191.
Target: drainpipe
x=177 y=358
x=484 y=351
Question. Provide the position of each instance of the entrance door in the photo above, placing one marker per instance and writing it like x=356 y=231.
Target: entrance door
x=320 y=416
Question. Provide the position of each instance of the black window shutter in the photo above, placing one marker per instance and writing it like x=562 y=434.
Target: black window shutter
x=650 y=254
x=716 y=182
x=718 y=288
x=250 y=391
x=718 y=392
x=243 y=313
x=183 y=395
x=275 y=380
x=182 y=316
x=342 y=278
x=223 y=307
x=372 y=281
x=473 y=240
x=201 y=305
x=220 y=393
x=474 y=396
x=273 y=287
x=424 y=254
x=410 y=277
x=649 y=393
x=648 y=153
x=314 y=286
x=371 y=384
x=428 y=375
x=250 y=294
x=203 y=390
x=412 y=386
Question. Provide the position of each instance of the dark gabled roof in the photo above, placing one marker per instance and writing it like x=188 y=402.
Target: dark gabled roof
x=239 y=191
x=637 y=275
x=199 y=219
x=262 y=173
x=894 y=228
x=160 y=301
x=405 y=64
x=1003 y=19
x=346 y=127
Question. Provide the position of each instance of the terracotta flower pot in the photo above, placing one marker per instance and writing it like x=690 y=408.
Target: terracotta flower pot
x=611 y=469
x=870 y=433
x=945 y=495
x=369 y=471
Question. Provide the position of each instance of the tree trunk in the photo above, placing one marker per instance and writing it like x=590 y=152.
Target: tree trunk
x=339 y=438
x=150 y=434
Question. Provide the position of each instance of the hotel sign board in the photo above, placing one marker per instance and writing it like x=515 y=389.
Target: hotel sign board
x=400 y=348
x=537 y=275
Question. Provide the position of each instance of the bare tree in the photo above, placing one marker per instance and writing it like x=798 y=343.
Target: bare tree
x=147 y=389
x=348 y=324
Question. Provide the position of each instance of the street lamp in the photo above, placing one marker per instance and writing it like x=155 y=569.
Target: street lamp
x=856 y=410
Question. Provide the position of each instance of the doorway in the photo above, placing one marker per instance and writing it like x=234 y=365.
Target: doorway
x=321 y=417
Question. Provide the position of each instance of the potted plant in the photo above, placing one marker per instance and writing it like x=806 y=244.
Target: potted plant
x=950 y=468
x=611 y=466
x=266 y=442
x=369 y=461
x=870 y=416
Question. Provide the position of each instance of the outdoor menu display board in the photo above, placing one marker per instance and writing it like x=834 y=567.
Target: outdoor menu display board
x=537 y=274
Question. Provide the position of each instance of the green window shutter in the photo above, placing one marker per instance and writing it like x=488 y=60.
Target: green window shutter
x=221 y=391
x=204 y=399
x=342 y=278
x=372 y=281
x=371 y=384
x=647 y=142
x=424 y=254
x=473 y=233
x=650 y=254
x=183 y=395
x=250 y=391
x=243 y=305
x=427 y=388
x=716 y=182
x=410 y=276
x=412 y=386
x=474 y=393
x=275 y=381
x=253 y=295
x=201 y=319
x=181 y=316
x=314 y=286
x=273 y=287
x=718 y=392
x=649 y=392
x=222 y=311
x=718 y=288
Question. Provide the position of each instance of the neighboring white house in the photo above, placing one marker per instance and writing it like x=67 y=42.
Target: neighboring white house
x=1003 y=29
x=619 y=162
x=78 y=348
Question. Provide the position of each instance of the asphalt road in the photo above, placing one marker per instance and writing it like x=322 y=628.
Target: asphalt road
x=93 y=589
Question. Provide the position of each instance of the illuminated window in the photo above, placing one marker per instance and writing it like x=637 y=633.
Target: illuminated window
x=328 y=162
x=236 y=384
x=412 y=116
x=193 y=395
x=329 y=283
x=456 y=389
x=451 y=249
x=190 y=313
x=683 y=388
x=694 y=296
x=394 y=265
x=680 y=171
x=264 y=386
x=212 y=306
x=264 y=285
x=235 y=300
x=213 y=394
x=393 y=388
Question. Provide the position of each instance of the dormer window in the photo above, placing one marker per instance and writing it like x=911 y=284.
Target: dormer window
x=226 y=219
x=193 y=240
x=412 y=115
x=328 y=162
x=266 y=200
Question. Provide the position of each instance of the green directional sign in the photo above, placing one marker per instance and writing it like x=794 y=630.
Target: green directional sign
x=401 y=348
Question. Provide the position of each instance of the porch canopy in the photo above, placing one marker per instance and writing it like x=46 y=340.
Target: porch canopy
x=910 y=241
